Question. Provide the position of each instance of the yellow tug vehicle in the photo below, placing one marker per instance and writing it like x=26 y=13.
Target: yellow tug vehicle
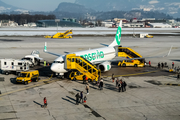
x=61 y=35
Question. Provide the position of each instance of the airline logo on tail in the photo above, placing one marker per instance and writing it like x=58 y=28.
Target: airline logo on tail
x=118 y=35
x=117 y=38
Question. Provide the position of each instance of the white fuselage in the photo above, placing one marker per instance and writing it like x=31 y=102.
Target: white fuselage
x=92 y=55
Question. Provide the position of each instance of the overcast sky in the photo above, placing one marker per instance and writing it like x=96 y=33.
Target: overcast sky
x=36 y=5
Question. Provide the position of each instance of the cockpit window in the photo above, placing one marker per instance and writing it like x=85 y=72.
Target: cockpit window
x=58 y=62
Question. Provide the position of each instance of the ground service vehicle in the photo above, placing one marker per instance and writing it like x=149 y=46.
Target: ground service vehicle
x=135 y=63
x=27 y=77
x=12 y=65
x=61 y=35
x=149 y=36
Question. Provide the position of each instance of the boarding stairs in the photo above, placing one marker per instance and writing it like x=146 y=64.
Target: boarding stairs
x=80 y=67
x=129 y=54
x=61 y=35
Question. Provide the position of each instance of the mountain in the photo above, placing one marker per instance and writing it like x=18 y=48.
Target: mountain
x=171 y=7
x=72 y=8
x=5 y=8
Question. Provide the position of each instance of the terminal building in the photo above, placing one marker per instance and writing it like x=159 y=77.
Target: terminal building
x=53 y=23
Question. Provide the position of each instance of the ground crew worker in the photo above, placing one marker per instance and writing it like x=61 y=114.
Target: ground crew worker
x=87 y=88
x=45 y=102
x=172 y=65
x=44 y=63
x=149 y=63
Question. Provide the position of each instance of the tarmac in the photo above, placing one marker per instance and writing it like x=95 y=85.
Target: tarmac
x=152 y=93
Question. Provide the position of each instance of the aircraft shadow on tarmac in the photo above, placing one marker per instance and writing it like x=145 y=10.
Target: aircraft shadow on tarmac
x=44 y=71
x=69 y=100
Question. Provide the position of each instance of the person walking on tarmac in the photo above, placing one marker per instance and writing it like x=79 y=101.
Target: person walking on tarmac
x=45 y=102
x=159 y=65
x=162 y=65
x=77 y=98
x=113 y=77
x=117 y=81
x=87 y=88
x=84 y=79
x=119 y=86
x=85 y=98
x=81 y=97
x=124 y=85
x=101 y=84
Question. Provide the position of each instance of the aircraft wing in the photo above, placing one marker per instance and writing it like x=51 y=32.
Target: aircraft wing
x=122 y=58
x=45 y=50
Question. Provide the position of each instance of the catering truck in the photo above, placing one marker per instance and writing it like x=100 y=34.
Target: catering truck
x=13 y=66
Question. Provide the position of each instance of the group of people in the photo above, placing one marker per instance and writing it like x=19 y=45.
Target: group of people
x=162 y=65
x=121 y=85
x=80 y=98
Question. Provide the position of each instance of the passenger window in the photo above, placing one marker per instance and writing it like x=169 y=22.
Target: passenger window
x=4 y=63
x=72 y=60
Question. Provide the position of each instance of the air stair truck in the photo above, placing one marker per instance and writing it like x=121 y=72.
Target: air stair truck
x=13 y=66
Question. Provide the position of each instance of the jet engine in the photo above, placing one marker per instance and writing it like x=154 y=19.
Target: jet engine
x=105 y=66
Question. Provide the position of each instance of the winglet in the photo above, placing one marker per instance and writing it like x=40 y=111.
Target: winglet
x=45 y=47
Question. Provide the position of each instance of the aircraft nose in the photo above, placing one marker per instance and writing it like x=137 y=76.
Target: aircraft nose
x=54 y=68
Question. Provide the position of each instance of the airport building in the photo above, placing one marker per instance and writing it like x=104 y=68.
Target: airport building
x=160 y=25
x=53 y=23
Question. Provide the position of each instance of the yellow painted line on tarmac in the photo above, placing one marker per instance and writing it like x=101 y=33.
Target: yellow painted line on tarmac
x=40 y=83
x=172 y=84
x=133 y=74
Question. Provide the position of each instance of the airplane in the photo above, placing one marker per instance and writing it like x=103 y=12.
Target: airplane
x=101 y=57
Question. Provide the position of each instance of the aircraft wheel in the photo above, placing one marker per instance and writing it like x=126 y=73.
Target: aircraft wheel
x=135 y=65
